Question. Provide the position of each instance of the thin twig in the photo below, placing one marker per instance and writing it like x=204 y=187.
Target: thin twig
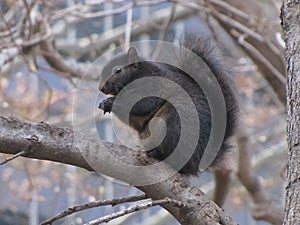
x=73 y=10
x=33 y=139
x=163 y=29
x=89 y=205
x=136 y=208
x=28 y=12
x=241 y=18
x=14 y=40
x=230 y=9
x=13 y=157
x=255 y=52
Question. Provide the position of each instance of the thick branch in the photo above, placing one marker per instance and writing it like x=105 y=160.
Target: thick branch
x=57 y=62
x=57 y=144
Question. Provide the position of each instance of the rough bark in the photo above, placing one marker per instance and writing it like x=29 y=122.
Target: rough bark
x=46 y=142
x=290 y=16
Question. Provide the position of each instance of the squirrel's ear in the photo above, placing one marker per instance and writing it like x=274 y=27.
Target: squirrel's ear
x=132 y=55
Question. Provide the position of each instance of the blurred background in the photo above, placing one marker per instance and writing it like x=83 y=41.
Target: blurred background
x=45 y=48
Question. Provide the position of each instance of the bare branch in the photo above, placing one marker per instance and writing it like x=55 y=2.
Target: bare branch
x=13 y=39
x=89 y=205
x=223 y=179
x=13 y=157
x=256 y=53
x=33 y=138
x=255 y=34
x=78 y=9
x=136 y=208
x=139 y=27
x=68 y=70
x=265 y=208
x=57 y=144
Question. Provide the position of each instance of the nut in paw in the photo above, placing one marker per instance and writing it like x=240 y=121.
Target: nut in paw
x=106 y=105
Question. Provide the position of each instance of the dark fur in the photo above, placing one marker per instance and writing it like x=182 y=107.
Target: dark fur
x=150 y=107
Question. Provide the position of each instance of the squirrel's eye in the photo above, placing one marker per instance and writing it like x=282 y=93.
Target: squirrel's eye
x=117 y=69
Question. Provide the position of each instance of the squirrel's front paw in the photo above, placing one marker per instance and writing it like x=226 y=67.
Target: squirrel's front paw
x=106 y=105
x=156 y=153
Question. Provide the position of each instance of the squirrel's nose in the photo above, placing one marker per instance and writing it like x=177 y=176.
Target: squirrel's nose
x=103 y=89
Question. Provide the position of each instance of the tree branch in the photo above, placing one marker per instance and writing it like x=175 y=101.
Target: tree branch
x=78 y=208
x=258 y=41
x=57 y=144
x=135 y=208
x=139 y=27
x=57 y=62
x=265 y=208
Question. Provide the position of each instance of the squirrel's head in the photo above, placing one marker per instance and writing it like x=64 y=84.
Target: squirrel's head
x=120 y=71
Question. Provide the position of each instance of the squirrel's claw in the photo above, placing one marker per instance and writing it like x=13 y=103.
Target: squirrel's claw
x=105 y=111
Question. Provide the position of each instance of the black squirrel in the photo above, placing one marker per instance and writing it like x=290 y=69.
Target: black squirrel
x=124 y=69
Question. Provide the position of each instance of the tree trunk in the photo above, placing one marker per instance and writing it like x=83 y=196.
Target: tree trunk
x=290 y=16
